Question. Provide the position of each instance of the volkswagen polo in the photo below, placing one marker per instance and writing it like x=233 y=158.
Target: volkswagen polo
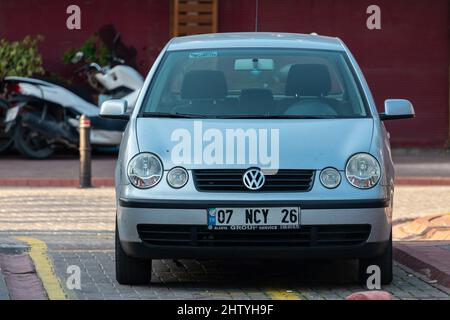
x=255 y=145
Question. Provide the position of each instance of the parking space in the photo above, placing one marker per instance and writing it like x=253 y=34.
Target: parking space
x=76 y=227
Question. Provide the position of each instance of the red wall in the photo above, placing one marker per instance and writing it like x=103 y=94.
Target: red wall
x=408 y=58
x=144 y=24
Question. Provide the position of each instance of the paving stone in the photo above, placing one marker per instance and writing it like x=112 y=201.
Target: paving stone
x=86 y=240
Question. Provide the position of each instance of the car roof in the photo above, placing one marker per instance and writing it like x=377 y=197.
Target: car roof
x=255 y=40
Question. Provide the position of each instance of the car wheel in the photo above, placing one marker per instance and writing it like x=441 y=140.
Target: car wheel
x=384 y=262
x=130 y=270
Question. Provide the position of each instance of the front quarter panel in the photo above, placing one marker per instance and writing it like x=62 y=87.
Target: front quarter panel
x=130 y=145
x=380 y=145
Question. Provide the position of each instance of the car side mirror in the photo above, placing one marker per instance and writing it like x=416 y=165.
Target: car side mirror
x=114 y=109
x=397 y=109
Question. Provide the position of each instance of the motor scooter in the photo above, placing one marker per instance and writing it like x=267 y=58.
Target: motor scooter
x=44 y=115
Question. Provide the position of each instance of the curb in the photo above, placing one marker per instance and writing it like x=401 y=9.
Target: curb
x=21 y=278
x=44 y=268
x=370 y=295
x=109 y=182
x=425 y=258
x=4 y=293
x=9 y=249
x=422 y=181
x=429 y=228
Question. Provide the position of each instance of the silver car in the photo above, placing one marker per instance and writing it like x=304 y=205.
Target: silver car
x=254 y=145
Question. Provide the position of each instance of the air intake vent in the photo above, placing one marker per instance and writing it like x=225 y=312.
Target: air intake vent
x=231 y=180
x=306 y=236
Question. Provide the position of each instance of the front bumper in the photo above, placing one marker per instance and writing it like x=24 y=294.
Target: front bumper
x=376 y=213
x=141 y=250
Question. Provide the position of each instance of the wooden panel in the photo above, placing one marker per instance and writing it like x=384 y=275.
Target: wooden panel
x=194 y=17
x=206 y=18
x=195 y=7
x=185 y=30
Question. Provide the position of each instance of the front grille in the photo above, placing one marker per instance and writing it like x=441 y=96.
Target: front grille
x=231 y=180
x=201 y=236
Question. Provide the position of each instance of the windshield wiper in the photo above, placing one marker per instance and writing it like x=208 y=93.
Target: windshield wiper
x=171 y=115
x=301 y=117
x=232 y=116
x=265 y=116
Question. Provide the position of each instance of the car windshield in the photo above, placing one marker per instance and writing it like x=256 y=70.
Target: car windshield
x=254 y=83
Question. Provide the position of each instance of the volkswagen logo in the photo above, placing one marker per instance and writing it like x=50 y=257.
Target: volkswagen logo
x=253 y=179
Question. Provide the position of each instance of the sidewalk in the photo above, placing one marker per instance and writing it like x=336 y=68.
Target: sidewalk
x=422 y=164
x=423 y=245
x=421 y=169
x=56 y=172
x=430 y=258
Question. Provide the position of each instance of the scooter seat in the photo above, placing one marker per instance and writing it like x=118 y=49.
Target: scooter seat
x=80 y=91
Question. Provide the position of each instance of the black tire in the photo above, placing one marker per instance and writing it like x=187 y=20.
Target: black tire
x=384 y=261
x=6 y=139
x=129 y=270
x=31 y=144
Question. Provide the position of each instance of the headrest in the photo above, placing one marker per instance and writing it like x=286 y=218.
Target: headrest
x=308 y=80
x=204 y=84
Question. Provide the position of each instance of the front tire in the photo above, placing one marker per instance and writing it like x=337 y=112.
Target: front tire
x=130 y=270
x=31 y=144
x=383 y=261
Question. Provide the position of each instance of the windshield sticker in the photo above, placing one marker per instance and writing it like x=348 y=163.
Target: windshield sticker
x=203 y=54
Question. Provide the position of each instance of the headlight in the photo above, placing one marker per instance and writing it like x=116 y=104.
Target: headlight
x=363 y=171
x=177 y=177
x=145 y=170
x=330 y=178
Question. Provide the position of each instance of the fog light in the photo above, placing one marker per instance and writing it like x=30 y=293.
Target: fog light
x=177 y=177
x=330 y=178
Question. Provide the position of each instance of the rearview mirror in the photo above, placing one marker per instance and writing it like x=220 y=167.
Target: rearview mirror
x=114 y=109
x=253 y=64
x=397 y=109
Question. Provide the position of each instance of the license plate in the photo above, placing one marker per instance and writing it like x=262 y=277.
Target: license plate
x=11 y=114
x=254 y=218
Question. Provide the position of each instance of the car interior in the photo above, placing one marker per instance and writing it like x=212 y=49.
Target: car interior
x=308 y=92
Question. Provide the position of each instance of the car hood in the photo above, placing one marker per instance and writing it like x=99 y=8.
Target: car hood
x=302 y=143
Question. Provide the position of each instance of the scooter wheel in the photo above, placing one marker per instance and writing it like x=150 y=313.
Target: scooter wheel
x=6 y=139
x=31 y=144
